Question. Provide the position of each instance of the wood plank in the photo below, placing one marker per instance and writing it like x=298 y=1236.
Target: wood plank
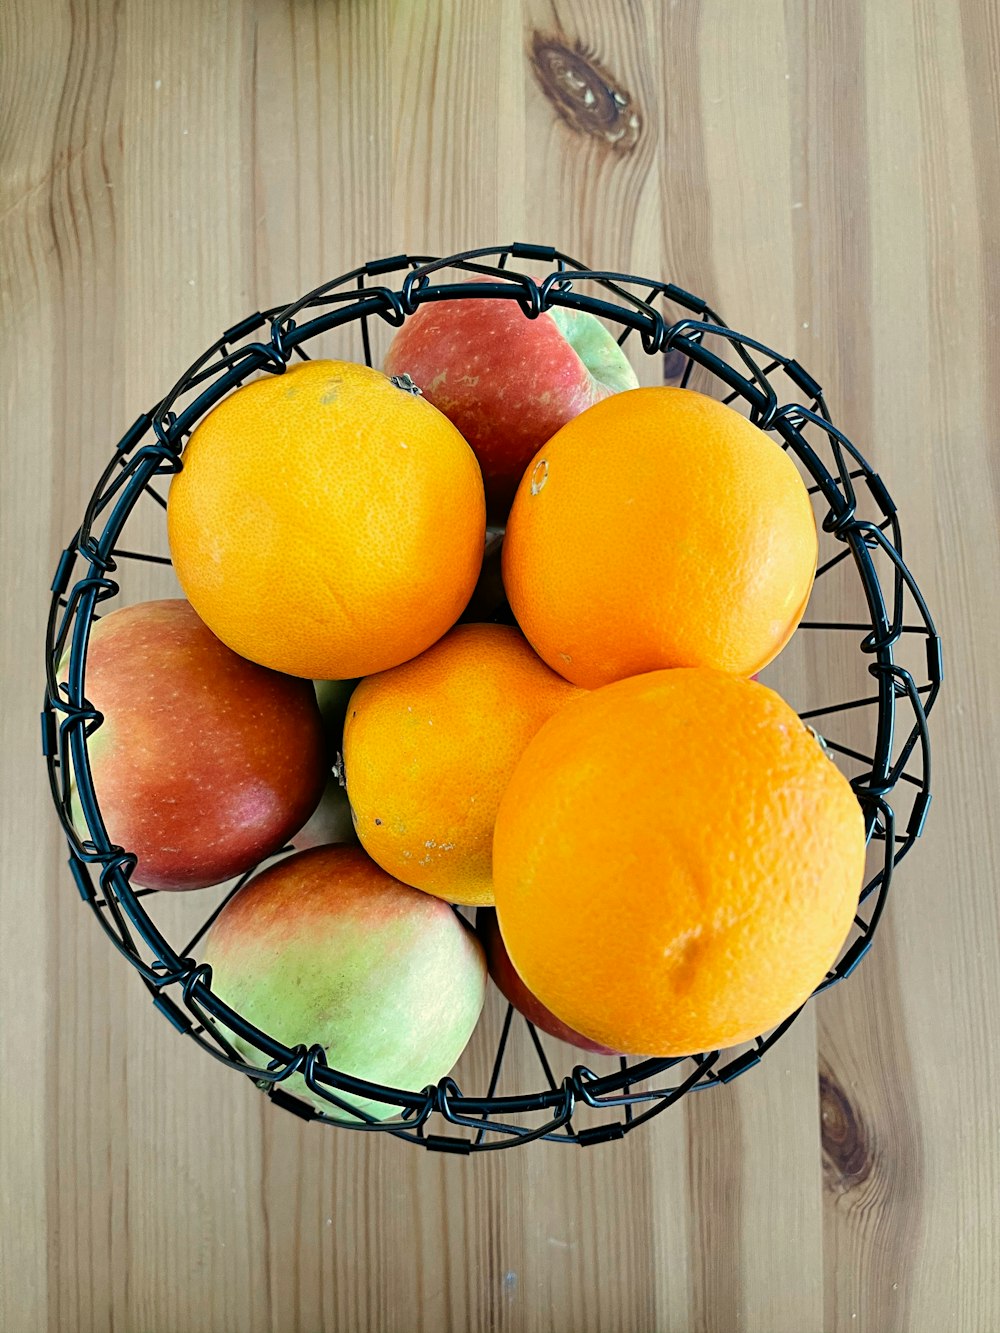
x=32 y=882
x=753 y=1155
x=592 y=76
x=193 y=1134
x=946 y=475
x=67 y=213
x=457 y=126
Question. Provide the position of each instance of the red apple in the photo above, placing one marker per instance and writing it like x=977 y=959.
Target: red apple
x=506 y=381
x=326 y=947
x=205 y=763
x=513 y=988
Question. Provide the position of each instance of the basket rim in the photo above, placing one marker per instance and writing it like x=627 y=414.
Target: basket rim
x=153 y=447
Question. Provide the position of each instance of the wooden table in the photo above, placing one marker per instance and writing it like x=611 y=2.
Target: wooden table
x=827 y=173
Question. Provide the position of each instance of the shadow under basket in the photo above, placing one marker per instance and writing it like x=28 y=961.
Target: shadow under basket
x=866 y=681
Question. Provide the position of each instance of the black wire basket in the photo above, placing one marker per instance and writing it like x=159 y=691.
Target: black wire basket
x=877 y=728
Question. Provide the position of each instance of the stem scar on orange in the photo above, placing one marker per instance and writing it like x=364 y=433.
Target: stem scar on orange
x=327 y=522
x=676 y=862
x=659 y=528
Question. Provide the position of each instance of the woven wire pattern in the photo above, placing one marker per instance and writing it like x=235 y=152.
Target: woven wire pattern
x=858 y=519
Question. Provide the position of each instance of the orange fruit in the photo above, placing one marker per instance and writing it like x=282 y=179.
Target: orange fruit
x=428 y=749
x=659 y=529
x=676 y=862
x=326 y=522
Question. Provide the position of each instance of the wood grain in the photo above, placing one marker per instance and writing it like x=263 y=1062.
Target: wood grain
x=827 y=174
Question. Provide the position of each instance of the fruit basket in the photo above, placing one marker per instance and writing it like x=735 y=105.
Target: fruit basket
x=866 y=683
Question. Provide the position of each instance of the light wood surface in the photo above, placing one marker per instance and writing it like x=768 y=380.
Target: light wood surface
x=827 y=174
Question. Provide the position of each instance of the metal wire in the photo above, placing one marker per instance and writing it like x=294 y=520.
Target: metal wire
x=777 y=393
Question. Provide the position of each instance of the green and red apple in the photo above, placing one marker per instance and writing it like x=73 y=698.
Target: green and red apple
x=205 y=763
x=326 y=947
x=506 y=381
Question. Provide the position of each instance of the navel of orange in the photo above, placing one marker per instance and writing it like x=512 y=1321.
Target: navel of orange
x=676 y=862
